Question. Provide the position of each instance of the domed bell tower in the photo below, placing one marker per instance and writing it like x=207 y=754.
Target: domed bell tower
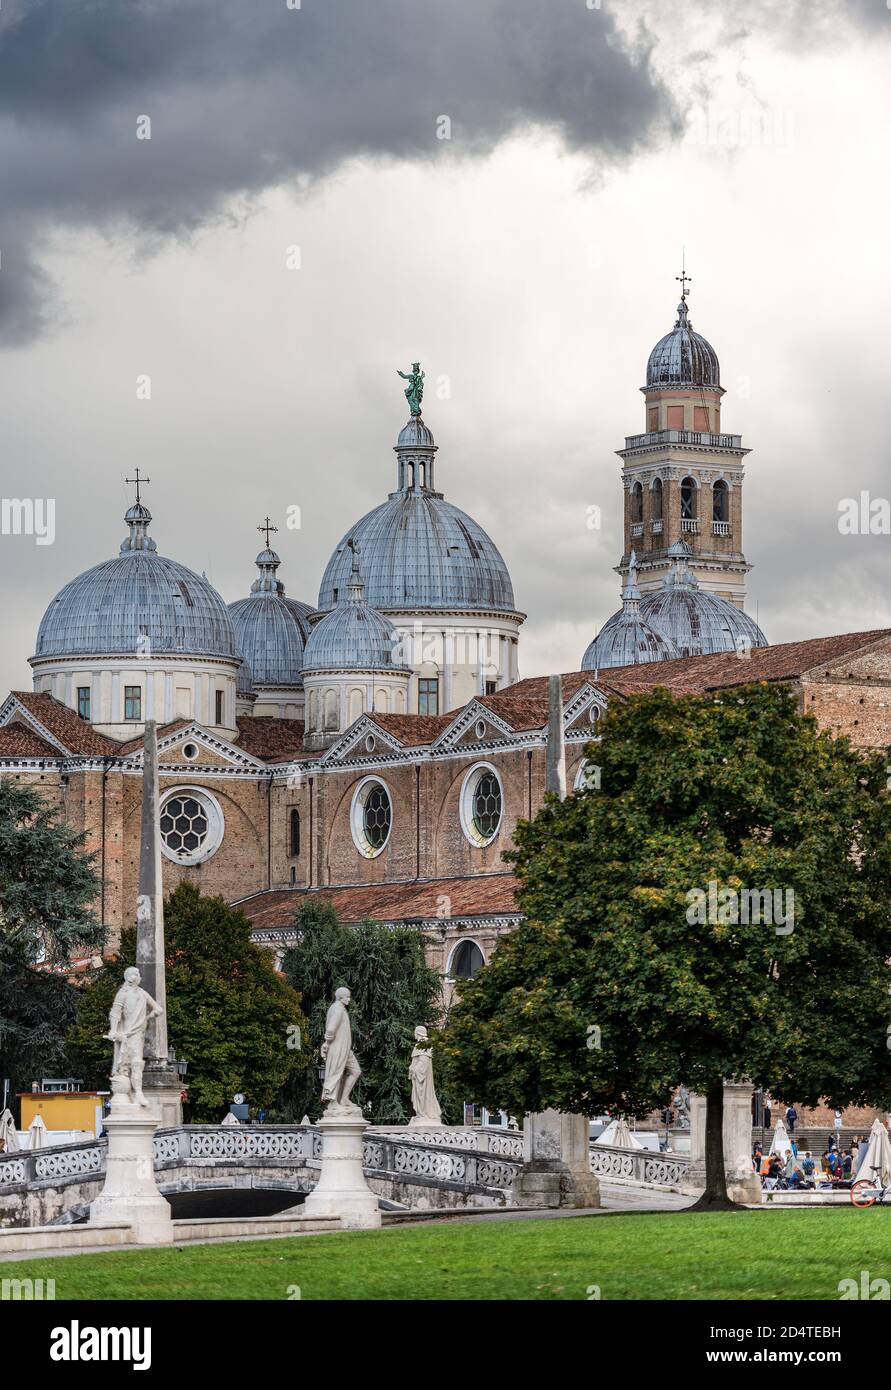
x=683 y=477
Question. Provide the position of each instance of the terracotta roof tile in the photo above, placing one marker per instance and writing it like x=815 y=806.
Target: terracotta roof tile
x=134 y=744
x=688 y=674
x=478 y=896
x=18 y=740
x=75 y=733
x=271 y=740
x=413 y=729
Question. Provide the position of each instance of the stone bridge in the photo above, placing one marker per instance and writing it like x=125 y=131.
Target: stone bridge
x=259 y=1170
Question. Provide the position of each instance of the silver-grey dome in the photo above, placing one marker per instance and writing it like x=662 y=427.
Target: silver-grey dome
x=353 y=636
x=418 y=551
x=627 y=639
x=697 y=622
x=139 y=602
x=682 y=357
x=271 y=631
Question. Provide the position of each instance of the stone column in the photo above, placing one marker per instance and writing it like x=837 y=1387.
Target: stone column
x=556 y=1168
x=342 y=1190
x=160 y=1081
x=743 y=1184
x=130 y=1193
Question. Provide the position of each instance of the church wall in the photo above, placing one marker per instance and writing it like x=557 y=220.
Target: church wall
x=859 y=709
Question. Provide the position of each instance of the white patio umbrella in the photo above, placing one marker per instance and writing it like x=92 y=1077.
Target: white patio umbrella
x=877 y=1156
x=9 y=1139
x=618 y=1135
x=36 y=1133
x=781 y=1143
x=230 y=1119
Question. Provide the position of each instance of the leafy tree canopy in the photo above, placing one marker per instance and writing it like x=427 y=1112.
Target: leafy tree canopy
x=48 y=884
x=622 y=982
x=393 y=990
x=237 y=1023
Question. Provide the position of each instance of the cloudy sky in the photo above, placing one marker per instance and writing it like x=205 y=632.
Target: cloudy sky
x=528 y=260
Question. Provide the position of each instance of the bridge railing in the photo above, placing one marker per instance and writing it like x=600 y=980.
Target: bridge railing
x=639 y=1165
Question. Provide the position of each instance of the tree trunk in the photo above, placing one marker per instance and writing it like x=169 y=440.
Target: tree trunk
x=714 y=1198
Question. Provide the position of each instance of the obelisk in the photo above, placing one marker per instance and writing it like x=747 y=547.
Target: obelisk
x=161 y=1081
x=556 y=1169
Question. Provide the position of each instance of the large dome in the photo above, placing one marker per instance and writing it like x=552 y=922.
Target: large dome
x=697 y=622
x=417 y=550
x=271 y=631
x=682 y=357
x=139 y=601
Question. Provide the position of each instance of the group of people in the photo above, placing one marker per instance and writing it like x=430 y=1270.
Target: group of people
x=792 y=1171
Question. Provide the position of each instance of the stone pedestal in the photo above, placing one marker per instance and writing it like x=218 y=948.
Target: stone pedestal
x=743 y=1184
x=342 y=1190
x=163 y=1089
x=556 y=1168
x=130 y=1193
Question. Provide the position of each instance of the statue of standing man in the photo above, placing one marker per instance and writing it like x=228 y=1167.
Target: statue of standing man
x=414 y=391
x=131 y=1012
x=342 y=1071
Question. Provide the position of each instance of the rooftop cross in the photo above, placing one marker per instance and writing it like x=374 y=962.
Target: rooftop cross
x=267 y=526
x=684 y=277
x=138 y=481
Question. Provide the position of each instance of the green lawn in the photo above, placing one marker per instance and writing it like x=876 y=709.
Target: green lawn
x=732 y=1255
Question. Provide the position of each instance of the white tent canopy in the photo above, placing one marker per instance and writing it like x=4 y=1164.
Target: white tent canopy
x=618 y=1135
x=877 y=1156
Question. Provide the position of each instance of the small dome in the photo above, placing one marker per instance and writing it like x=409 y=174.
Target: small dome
x=353 y=636
x=271 y=630
x=137 y=602
x=415 y=435
x=627 y=639
x=697 y=622
x=682 y=357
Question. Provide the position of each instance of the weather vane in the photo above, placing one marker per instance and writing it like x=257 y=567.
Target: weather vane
x=684 y=277
x=138 y=481
x=267 y=526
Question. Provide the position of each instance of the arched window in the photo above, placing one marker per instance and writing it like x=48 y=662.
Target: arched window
x=637 y=503
x=721 y=501
x=688 y=500
x=656 y=499
x=467 y=961
x=331 y=720
x=357 y=704
x=294 y=832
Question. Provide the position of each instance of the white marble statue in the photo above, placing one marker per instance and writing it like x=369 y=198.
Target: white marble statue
x=130 y=1014
x=423 y=1093
x=342 y=1071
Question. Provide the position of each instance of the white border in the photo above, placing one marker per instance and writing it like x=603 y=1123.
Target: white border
x=216 y=825
x=465 y=805
x=357 y=817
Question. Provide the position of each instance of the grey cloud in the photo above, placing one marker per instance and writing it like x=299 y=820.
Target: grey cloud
x=248 y=94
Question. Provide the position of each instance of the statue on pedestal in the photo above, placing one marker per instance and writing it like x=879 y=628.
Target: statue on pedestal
x=423 y=1093
x=130 y=1015
x=342 y=1070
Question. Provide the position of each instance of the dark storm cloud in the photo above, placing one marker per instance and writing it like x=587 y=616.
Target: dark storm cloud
x=247 y=94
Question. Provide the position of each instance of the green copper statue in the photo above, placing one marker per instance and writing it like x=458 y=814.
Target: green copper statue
x=414 y=391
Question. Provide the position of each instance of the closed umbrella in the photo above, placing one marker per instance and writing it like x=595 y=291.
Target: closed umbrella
x=877 y=1159
x=618 y=1136
x=36 y=1133
x=781 y=1143
x=9 y=1139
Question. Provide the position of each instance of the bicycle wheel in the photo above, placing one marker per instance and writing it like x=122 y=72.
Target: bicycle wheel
x=863 y=1192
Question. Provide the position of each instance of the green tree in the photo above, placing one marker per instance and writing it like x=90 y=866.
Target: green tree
x=393 y=990
x=48 y=884
x=230 y=1015
x=623 y=982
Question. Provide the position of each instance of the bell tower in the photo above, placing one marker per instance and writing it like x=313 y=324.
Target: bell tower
x=683 y=477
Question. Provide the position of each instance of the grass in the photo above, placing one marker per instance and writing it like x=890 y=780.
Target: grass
x=671 y=1255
